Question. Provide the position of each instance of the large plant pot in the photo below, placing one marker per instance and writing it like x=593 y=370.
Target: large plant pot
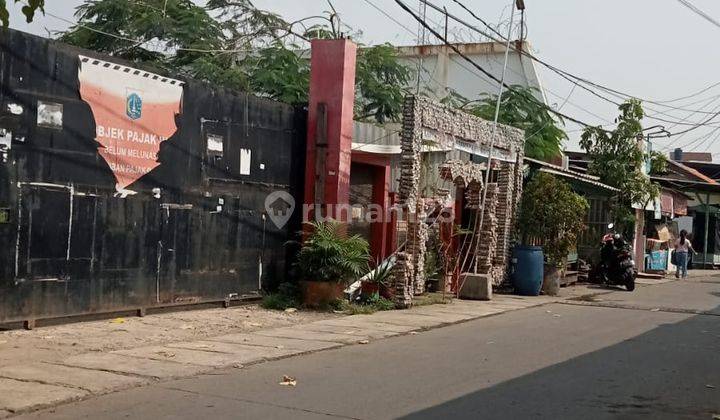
x=369 y=288
x=387 y=292
x=320 y=293
x=551 y=280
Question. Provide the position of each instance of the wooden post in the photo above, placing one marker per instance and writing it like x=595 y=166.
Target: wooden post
x=707 y=228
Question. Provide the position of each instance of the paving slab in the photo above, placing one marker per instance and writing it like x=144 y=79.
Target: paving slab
x=407 y=319
x=443 y=315
x=244 y=354
x=276 y=342
x=191 y=357
x=19 y=395
x=360 y=332
x=362 y=321
x=472 y=311
x=89 y=380
x=302 y=333
x=113 y=362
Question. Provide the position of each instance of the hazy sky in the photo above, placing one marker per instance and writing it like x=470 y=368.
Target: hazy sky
x=653 y=49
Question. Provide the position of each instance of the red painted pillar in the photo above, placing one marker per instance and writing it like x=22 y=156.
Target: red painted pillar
x=330 y=126
x=378 y=228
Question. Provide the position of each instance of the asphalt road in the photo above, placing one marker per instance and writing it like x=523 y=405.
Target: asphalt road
x=647 y=358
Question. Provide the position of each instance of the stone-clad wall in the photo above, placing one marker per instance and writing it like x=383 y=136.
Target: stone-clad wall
x=424 y=119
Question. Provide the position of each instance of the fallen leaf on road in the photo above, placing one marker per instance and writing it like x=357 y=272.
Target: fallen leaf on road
x=549 y=312
x=238 y=366
x=655 y=310
x=117 y=321
x=556 y=315
x=363 y=341
x=288 y=381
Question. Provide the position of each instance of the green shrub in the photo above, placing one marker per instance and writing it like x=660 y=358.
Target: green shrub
x=329 y=254
x=552 y=214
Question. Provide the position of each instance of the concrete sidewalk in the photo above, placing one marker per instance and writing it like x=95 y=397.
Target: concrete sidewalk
x=32 y=385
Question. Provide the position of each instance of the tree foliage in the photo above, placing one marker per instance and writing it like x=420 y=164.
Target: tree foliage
x=519 y=108
x=617 y=159
x=233 y=44
x=553 y=214
x=658 y=163
x=29 y=9
x=380 y=83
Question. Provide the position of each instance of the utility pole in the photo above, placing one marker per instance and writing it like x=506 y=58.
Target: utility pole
x=638 y=240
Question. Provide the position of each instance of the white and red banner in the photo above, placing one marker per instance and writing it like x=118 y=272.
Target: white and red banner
x=134 y=112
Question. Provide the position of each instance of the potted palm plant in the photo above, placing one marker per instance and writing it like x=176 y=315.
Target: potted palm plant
x=378 y=280
x=552 y=215
x=328 y=260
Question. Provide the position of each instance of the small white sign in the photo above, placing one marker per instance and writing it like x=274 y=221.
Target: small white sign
x=50 y=115
x=215 y=143
x=245 y=161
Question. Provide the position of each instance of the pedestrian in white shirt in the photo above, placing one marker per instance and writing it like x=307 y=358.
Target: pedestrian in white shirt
x=682 y=248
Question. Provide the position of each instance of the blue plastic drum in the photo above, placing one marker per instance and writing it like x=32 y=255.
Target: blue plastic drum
x=527 y=270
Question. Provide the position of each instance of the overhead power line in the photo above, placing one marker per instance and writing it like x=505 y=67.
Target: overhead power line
x=481 y=69
x=699 y=12
x=565 y=74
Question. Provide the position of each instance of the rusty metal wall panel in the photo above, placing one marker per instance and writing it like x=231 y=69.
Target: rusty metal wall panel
x=71 y=245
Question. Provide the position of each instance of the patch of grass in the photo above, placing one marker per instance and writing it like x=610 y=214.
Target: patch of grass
x=287 y=296
x=358 y=309
x=278 y=302
x=432 y=299
x=368 y=305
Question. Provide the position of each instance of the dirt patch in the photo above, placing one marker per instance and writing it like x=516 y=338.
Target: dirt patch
x=55 y=343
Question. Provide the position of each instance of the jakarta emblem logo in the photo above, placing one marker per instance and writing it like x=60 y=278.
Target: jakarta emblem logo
x=133 y=106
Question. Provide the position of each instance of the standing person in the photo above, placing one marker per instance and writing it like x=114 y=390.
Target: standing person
x=682 y=248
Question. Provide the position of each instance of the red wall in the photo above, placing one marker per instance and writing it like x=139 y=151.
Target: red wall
x=332 y=83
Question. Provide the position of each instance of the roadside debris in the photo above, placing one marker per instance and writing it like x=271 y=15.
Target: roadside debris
x=363 y=341
x=288 y=381
x=166 y=353
x=291 y=310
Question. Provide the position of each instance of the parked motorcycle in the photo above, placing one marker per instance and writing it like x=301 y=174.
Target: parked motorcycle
x=616 y=263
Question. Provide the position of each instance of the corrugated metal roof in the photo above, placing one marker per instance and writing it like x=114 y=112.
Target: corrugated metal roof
x=560 y=171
